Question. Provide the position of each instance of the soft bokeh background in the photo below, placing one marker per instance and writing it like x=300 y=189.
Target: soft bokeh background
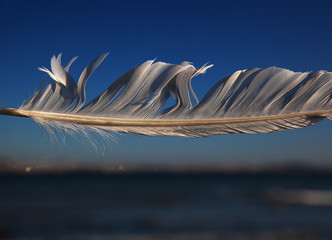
x=232 y=35
x=284 y=191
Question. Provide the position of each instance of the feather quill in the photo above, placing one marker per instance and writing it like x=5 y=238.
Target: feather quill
x=249 y=101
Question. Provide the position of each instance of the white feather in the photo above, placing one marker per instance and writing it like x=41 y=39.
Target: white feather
x=249 y=101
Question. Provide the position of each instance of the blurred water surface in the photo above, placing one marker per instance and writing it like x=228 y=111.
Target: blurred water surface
x=166 y=206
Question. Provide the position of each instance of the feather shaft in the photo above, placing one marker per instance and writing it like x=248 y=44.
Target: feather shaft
x=114 y=122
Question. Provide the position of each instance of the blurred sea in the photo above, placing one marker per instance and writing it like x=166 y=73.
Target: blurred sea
x=139 y=206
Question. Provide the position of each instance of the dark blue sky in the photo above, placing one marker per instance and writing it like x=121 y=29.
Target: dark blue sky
x=232 y=35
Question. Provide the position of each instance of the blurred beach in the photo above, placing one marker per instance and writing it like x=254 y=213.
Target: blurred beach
x=166 y=205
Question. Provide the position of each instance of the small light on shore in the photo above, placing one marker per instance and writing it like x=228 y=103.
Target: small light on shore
x=28 y=169
x=121 y=168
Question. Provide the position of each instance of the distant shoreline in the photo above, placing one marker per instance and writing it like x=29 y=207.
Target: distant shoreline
x=88 y=170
